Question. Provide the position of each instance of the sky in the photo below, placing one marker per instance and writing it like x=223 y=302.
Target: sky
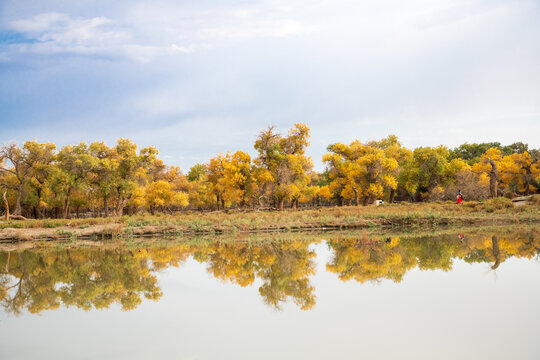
x=197 y=78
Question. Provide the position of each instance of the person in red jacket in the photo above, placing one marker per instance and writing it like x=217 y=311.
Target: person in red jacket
x=459 y=197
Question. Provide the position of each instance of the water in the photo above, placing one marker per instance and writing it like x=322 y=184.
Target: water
x=331 y=296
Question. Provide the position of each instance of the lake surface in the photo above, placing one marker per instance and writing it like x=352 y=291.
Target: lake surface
x=312 y=296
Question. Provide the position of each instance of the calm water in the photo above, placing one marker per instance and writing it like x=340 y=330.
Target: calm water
x=332 y=296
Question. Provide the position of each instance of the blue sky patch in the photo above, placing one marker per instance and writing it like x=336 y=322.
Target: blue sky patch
x=12 y=37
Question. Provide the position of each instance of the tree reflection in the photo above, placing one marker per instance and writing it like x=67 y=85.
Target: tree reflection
x=284 y=267
x=376 y=260
x=84 y=278
x=87 y=278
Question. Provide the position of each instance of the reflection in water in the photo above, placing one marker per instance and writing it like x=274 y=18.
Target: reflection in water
x=284 y=268
x=361 y=261
x=86 y=278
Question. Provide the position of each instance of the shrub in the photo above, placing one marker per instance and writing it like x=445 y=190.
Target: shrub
x=499 y=203
x=510 y=194
x=470 y=186
x=535 y=199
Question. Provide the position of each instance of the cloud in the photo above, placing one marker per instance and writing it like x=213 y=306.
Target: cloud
x=281 y=28
x=174 y=48
x=143 y=37
x=61 y=34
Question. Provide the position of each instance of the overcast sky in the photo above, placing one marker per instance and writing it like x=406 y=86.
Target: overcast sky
x=196 y=78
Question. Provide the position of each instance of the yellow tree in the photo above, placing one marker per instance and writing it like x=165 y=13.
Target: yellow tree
x=230 y=179
x=103 y=173
x=22 y=163
x=131 y=166
x=160 y=194
x=489 y=164
x=200 y=194
x=73 y=166
x=283 y=162
x=425 y=170
x=216 y=173
x=520 y=171
x=340 y=173
x=393 y=149
x=364 y=169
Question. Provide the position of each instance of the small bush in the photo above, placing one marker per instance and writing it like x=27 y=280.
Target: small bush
x=64 y=232
x=510 y=195
x=53 y=224
x=499 y=203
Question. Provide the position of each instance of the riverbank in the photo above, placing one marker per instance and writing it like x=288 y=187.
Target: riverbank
x=406 y=215
x=368 y=236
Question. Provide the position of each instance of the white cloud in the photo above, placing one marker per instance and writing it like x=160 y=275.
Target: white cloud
x=146 y=33
x=259 y=29
x=57 y=33
x=174 y=48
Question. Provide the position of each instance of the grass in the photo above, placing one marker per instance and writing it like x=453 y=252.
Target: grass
x=491 y=212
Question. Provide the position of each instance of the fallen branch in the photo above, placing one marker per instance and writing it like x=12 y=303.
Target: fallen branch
x=17 y=217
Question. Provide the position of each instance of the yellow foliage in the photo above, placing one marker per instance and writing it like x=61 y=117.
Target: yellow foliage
x=325 y=192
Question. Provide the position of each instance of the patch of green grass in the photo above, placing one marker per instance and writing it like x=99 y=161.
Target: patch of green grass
x=63 y=232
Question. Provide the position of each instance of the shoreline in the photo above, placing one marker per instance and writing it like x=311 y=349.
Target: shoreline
x=431 y=216
x=259 y=238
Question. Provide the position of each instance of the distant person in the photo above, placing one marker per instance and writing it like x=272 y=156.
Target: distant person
x=459 y=197
x=461 y=237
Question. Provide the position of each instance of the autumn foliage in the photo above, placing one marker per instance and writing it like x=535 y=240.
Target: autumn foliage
x=38 y=180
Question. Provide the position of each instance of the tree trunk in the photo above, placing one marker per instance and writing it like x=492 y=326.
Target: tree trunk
x=18 y=208
x=496 y=252
x=528 y=177
x=38 y=207
x=119 y=211
x=66 y=207
x=7 y=261
x=493 y=179
x=392 y=195
x=105 y=207
x=6 y=205
x=356 y=198
x=281 y=204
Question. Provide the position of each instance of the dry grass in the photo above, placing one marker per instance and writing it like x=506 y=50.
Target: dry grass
x=494 y=211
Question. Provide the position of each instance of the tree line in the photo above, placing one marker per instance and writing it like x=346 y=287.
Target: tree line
x=38 y=181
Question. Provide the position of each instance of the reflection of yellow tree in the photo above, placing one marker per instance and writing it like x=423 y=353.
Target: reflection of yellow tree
x=364 y=261
x=38 y=280
x=496 y=249
x=284 y=267
x=391 y=259
x=289 y=275
x=83 y=278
